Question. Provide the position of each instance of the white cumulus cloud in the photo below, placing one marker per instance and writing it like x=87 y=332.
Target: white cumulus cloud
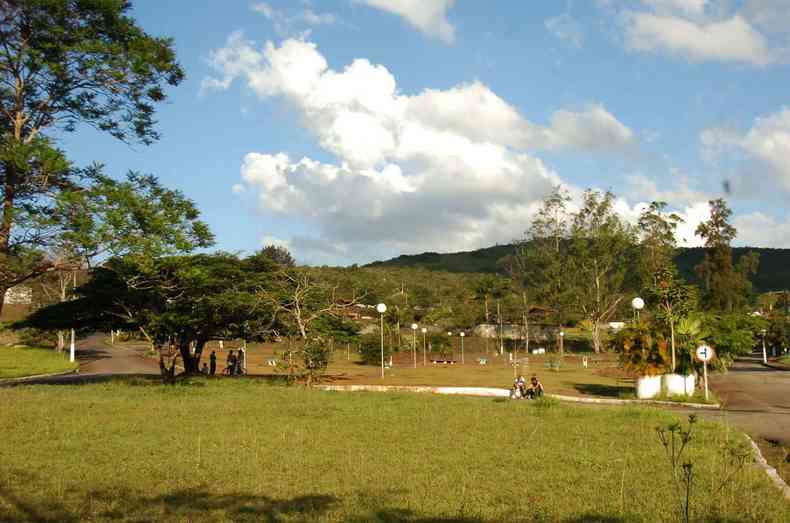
x=429 y=16
x=706 y=30
x=439 y=170
x=767 y=144
x=731 y=40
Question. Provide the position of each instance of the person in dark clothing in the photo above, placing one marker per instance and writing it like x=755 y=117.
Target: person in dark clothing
x=535 y=389
x=240 y=361
x=212 y=363
x=230 y=370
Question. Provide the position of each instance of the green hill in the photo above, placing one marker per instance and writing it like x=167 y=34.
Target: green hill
x=773 y=273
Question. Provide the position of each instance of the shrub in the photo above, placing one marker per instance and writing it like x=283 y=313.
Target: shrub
x=732 y=335
x=370 y=349
x=643 y=351
x=440 y=343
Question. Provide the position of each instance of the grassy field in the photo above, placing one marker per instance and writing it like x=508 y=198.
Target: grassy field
x=26 y=361
x=601 y=378
x=243 y=450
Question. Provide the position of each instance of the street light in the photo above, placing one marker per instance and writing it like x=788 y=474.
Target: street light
x=424 y=360
x=72 y=348
x=414 y=343
x=638 y=304
x=452 y=350
x=382 y=308
x=562 y=342
x=462 y=347
x=765 y=357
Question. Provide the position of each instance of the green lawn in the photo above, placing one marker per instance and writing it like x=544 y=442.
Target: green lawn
x=602 y=378
x=16 y=362
x=237 y=450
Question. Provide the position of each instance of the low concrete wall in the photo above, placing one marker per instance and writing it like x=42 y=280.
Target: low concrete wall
x=492 y=392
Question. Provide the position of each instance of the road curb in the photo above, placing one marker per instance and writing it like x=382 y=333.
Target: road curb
x=775 y=366
x=491 y=392
x=23 y=379
x=772 y=473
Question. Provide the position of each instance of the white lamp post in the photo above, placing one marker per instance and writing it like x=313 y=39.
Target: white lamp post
x=765 y=356
x=71 y=347
x=414 y=343
x=562 y=342
x=424 y=358
x=638 y=304
x=452 y=351
x=382 y=308
x=462 y=347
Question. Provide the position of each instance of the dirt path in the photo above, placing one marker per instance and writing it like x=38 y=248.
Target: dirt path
x=756 y=399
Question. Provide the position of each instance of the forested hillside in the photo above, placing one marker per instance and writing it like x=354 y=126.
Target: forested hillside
x=773 y=273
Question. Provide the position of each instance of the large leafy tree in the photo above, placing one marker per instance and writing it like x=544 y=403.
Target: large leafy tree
x=279 y=254
x=600 y=242
x=540 y=261
x=726 y=286
x=183 y=300
x=65 y=63
x=658 y=245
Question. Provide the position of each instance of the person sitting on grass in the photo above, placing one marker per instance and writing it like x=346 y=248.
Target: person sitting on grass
x=204 y=370
x=518 y=391
x=535 y=389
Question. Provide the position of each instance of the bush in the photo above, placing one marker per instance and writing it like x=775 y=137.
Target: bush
x=643 y=350
x=308 y=362
x=440 y=343
x=316 y=355
x=370 y=349
x=732 y=335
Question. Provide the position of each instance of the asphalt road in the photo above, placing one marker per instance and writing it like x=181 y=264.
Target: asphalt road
x=756 y=399
x=99 y=362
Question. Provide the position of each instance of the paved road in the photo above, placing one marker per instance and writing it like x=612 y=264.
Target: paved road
x=756 y=399
x=96 y=358
x=99 y=362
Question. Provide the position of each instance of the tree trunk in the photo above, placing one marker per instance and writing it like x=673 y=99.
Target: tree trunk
x=2 y=295
x=486 y=308
x=596 y=336
x=61 y=341
x=189 y=359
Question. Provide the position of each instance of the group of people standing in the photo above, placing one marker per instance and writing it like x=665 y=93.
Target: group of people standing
x=235 y=364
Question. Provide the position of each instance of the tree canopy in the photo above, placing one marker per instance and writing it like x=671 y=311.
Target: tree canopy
x=65 y=63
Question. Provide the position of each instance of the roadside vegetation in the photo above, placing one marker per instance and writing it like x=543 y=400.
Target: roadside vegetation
x=19 y=361
x=242 y=450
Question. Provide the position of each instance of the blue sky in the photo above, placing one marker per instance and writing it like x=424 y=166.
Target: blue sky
x=355 y=130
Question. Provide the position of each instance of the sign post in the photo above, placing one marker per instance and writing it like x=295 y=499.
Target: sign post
x=705 y=354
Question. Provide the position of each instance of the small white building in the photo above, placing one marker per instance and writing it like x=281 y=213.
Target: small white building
x=19 y=295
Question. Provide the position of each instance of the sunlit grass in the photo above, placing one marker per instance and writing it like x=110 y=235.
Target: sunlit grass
x=239 y=450
x=600 y=378
x=26 y=361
